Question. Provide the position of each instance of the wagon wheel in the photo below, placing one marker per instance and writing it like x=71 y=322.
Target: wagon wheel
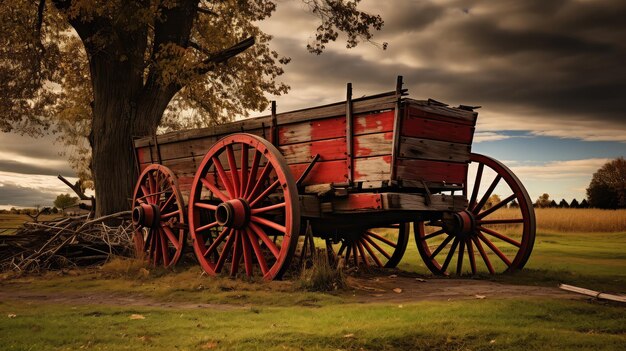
x=158 y=216
x=244 y=207
x=487 y=235
x=379 y=247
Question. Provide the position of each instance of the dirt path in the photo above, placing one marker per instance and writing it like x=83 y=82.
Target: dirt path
x=375 y=289
x=381 y=289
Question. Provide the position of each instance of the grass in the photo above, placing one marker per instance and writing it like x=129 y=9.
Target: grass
x=469 y=325
x=8 y=222
x=257 y=315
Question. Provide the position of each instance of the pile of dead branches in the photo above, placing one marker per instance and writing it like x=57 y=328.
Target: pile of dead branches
x=65 y=243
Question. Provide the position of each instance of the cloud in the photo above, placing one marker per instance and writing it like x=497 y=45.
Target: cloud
x=559 y=170
x=554 y=68
x=489 y=136
x=18 y=189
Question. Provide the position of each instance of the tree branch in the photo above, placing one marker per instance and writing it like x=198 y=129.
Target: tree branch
x=224 y=55
x=206 y=11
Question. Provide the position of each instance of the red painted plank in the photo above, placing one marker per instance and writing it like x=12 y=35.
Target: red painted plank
x=322 y=172
x=373 y=122
x=437 y=130
x=431 y=171
x=416 y=111
x=329 y=150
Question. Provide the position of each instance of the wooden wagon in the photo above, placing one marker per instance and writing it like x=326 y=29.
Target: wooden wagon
x=356 y=174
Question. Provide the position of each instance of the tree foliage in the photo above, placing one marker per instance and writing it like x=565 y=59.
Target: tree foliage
x=543 y=201
x=65 y=200
x=100 y=72
x=607 y=188
x=574 y=204
x=492 y=201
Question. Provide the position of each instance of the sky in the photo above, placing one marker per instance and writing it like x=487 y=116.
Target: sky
x=549 y=75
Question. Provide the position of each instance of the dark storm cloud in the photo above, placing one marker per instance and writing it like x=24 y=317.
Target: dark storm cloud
x=15 y=195
x=563 y=59
x=32 y=168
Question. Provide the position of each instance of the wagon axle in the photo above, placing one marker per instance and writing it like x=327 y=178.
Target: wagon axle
x=233 y=213
x=461 y=224
x=146 y=215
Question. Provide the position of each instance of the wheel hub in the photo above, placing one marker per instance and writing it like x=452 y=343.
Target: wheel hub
x=233 y=213
x=146 y=215
x=460 y=224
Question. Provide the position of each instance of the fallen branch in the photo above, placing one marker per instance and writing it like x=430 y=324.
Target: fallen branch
x=593 y=293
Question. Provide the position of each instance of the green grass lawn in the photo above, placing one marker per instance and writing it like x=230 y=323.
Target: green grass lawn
x=279 y=316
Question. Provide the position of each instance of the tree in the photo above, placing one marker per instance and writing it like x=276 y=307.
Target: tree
x=574 y=204
x=65 y=200
x=492 y=201
x=563 y=204
x=607 y=188
x=584 y=204
x=543 y=201
x=101 y=72
x=553 y=204
x=514 y=204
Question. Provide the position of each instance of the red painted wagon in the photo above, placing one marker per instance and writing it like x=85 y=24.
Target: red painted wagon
x=358 y=172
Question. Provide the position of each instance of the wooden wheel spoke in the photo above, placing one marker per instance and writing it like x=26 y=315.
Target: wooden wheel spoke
x=148 y=242
x=206 y=206
x=459 y=262
x=470 y=253
x=164 y=251
x=244 y=170
x=495 y=249
x=433 y=234
x=257 y=251
x=207 y=226
x=170 y=214
x=220 y=237
x=265 y=193
x=496 y=207
x=253 y=171
x=170 y=235
x=267 y=209
x=224 y=254
x=500 y=236
x=500 y=221
x=341 y=248
x=268 y=223
x=362 y=253
x=377 y=247
x=450 y=254
x=441 y=246
x=487 y=194
x=146 y=193
x=348 y=250
x=217 y=192
x=259 y=183
x=265 y=239
x=234 y=172
x=152 y=187
x=380 y=238
x=483 y=254
x=156 y=252
x=479 y=176
x=371 y=252
x=234 y=264
x=247 y=254
x=223 y=177
x=167 y=202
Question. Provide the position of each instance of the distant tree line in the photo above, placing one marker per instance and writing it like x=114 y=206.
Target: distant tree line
x=544 y=201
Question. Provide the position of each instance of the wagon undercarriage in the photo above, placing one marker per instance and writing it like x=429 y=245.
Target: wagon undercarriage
x=356 y=174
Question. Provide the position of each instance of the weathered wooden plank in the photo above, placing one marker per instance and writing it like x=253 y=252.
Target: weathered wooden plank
x=323 y=172
x=433 y=150
x=419 y=127
x=309 y=206
x=373 y=144
x=372 y=168
x=431 y=171
x=417 y=202
x=420 y=108
x=329 y=150
x=328 y=128
x=244 y=125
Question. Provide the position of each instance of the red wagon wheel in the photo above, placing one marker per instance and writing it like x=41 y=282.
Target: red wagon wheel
x=244 y=205
x=158 y=216
x=379 y=247
x=491 y=235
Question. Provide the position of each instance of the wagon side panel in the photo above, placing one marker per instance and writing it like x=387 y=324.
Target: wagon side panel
x=434 y=146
